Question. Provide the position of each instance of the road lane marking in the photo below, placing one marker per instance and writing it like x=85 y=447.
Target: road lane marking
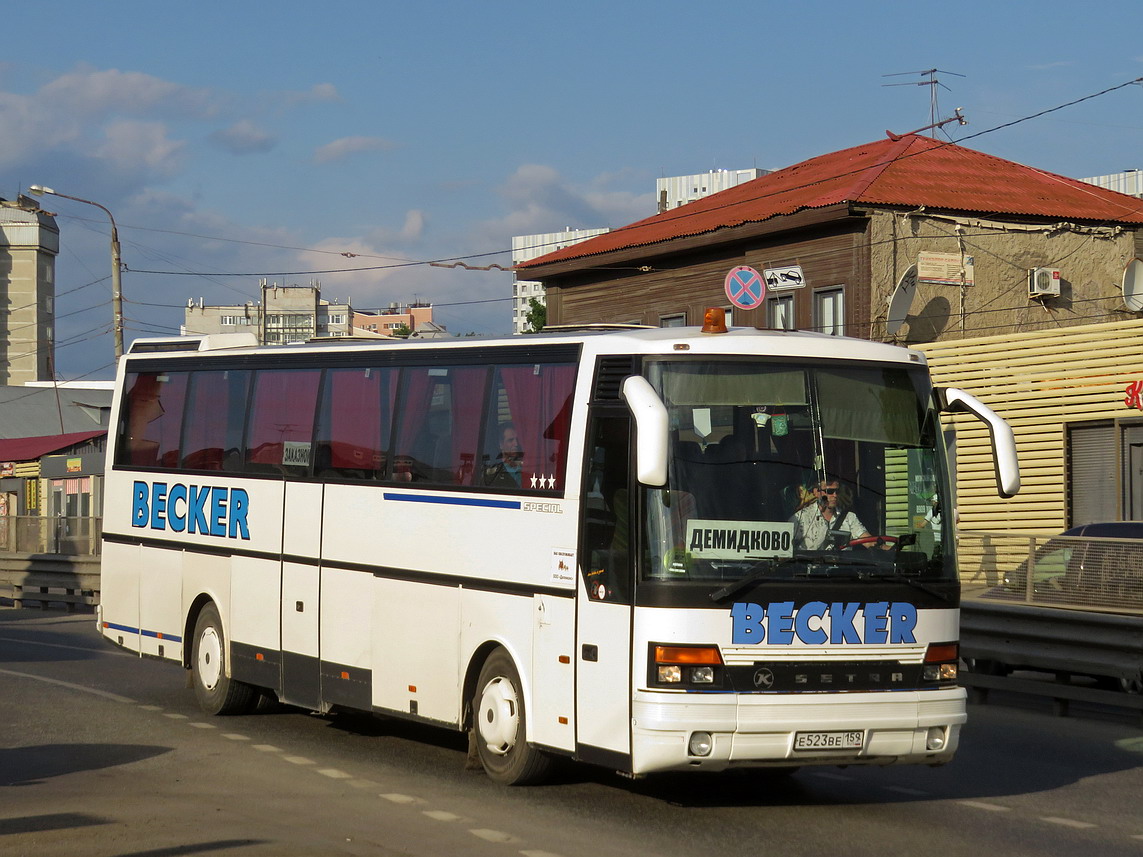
x=539 y=854
x=399 y=798
x=1067 y=822
x=267 y=748
x=493 y=835
x=298 y=760
x=234 y=736
x=905 y=790
x=441 y=815
x=176 y=716
x=334 y=773
x=991 y=807
x=114 y=697
x=198 y=724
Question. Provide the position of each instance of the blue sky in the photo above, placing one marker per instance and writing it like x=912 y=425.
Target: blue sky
x=270 y=139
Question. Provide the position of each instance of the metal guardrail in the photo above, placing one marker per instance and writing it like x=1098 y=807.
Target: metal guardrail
x=1060 y=691
x=995 y=635
x=50 y=579
x=59 y=536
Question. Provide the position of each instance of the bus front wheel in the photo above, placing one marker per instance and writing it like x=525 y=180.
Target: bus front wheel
x=499 y=725
x=216 y=692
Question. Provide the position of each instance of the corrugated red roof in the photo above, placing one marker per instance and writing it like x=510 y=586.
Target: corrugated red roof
x=31 y=448
x=909 y=171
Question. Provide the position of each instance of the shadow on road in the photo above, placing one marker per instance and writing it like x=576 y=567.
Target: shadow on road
x=26 y=766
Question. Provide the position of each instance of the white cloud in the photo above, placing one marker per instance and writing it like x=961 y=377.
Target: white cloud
x=539 y=199
x=91 y=92
x=317 y=93
x=243 y=138
x=346 y=146
x=129 y=144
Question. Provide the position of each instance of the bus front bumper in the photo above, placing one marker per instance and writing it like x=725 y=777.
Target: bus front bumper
x=714 y=732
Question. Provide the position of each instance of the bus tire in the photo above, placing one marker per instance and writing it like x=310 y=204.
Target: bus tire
x=499 y=719
x=216 y=692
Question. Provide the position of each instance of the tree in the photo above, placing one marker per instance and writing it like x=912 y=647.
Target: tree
x=537 y=316
x=402 y=330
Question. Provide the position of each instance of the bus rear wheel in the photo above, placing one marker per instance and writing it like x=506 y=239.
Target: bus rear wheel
x=499 y=725
x=216 y=692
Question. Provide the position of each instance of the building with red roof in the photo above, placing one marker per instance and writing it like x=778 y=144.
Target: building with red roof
x=835 y=237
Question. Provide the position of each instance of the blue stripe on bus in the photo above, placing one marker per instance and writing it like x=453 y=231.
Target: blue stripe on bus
x=453 y=501
x=158 y=635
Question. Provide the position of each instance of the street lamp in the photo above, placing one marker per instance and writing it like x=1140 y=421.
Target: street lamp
x=116 y=263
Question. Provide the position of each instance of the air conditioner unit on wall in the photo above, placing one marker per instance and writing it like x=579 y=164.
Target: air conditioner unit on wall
x=1044 y=283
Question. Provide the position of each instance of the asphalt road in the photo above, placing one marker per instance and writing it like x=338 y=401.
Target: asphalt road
x=102 y=753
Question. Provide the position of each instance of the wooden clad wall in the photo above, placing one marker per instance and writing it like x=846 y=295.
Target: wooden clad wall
x=832 y=255
x=1039 y=382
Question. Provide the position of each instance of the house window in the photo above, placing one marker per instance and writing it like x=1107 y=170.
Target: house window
x=1105 y=472
x=677 y=320
x=829 y=311
x=780 y=312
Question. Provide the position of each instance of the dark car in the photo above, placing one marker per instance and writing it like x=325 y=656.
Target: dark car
x=1083 y=567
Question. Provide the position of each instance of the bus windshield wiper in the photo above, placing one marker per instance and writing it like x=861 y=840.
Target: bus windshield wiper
x=760 y=570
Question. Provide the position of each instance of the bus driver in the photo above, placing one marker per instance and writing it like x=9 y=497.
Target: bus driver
x=814 y=521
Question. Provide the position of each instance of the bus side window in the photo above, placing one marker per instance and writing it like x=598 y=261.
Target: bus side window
x=216 y=411
x=438 y=426
x=352 y=435
x=281 y=424
x=531 y=406
x=154 y=419
x=606 y=512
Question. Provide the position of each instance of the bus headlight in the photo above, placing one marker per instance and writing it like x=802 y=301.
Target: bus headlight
x=941 y=663
x=671 y=674
x=702 y=675
x=681 y=667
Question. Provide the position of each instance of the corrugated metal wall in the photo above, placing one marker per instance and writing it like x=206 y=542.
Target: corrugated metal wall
x=1039 y=382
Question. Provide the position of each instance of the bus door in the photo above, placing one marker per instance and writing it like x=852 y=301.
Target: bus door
x=605 y=590
x=301 y=595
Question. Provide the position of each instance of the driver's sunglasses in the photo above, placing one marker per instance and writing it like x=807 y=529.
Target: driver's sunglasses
x=828 y=490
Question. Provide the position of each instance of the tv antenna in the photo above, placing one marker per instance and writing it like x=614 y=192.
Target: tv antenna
x=932 y=83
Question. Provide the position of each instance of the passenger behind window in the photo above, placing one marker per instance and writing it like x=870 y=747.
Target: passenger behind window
x=507 y=470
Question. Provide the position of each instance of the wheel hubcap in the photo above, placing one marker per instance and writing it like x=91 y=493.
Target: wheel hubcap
x=499 y=716
x=209 y=661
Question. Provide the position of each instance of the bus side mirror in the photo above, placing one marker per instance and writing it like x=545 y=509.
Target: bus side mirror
x=953 y=400
x=651 y=430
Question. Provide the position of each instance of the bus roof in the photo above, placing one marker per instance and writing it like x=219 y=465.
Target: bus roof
x=658 y=340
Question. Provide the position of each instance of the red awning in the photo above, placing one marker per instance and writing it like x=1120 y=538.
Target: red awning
x=32 y=448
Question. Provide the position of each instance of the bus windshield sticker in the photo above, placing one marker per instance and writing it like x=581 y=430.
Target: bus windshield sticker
x=739 y=539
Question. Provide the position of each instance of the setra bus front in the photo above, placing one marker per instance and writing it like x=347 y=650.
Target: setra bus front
x=796 y=599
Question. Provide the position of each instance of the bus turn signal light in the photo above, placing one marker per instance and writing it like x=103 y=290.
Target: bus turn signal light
x=714 y=320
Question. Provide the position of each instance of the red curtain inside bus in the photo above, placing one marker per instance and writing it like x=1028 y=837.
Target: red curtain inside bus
x=539 y=400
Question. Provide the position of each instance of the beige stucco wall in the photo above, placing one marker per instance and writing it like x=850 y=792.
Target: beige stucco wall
x=1091 y=261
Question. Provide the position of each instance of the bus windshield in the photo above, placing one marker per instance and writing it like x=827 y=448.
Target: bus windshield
x=787 y=471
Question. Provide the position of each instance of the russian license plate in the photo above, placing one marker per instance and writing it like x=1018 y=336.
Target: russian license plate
x=829 y=740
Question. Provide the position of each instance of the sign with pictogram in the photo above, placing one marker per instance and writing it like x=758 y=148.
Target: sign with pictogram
x=745 y=287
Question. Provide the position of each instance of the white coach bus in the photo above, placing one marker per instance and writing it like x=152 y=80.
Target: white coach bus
x=648 y=549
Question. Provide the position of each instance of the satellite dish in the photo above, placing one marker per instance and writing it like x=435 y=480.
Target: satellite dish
x=902 y=299
x=1133 y=285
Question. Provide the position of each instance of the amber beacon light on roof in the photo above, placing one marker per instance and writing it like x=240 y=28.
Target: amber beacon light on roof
x=714 y=320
